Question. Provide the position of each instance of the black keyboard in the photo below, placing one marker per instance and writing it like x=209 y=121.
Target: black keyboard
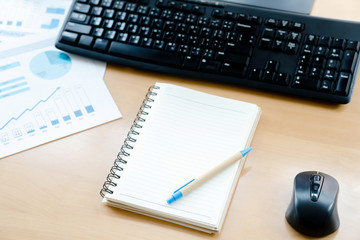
x=218 y=41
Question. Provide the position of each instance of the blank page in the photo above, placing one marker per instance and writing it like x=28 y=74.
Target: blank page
x=185 y=133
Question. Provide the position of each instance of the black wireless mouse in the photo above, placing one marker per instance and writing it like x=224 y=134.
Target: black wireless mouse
x=313 y=207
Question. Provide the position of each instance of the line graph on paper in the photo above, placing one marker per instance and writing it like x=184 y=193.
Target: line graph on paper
x=63 y=106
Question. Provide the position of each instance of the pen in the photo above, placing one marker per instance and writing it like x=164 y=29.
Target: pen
x=194 y=183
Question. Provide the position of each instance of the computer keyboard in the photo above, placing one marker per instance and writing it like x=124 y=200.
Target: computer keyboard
x=219 y=41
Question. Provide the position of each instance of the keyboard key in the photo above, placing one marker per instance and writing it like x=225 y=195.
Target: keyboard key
x=106 y=3
x=281 y=35
x=231 y=57
x=283 y=79
x=97 y=11
x=255 y=74
x=78 y=17
x=306 y=83
x=321 y=51
x=353 y=45
x=147 y=42
x=294 y=37
x=86 y=41
x=265 y=43
x=305 y=60
x=272 y=65
x=238 y=48
x=234 y=69
x=311 y=39
x=319 y=62
x=245 y=28
x=301 y=70
x=82 y=8
x=298 y=26
x=190 y=62
x=330 y=75
x=315 y=73
x=333 y=64
x=69 y=37
x=183 y=49
x=101 y=44
x=78 y=28
x=171 y=47
x=284 y=24
x=324 y=41
x=326 y=86
x=271 y=22
x=291 y=48
x=349 y=61
x=268 y=33
x=110 y=34
x=136 y=39
x=98 y=32
x=145 y=54
x=122 y=37
x=338 y=43
x=278 y=45
x=269 y=76
x=343 y=84
x=209 y=65
x=308 y=49
x=335 y=53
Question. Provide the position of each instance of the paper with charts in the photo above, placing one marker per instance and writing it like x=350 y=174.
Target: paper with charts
x=21 y=18
x=46 y=94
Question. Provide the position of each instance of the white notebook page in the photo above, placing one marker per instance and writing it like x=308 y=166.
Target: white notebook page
x=186 y=133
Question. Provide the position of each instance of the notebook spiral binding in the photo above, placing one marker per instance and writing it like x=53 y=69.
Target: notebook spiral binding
x=131 y=138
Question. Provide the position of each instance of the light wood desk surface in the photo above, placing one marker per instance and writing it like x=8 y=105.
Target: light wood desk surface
x=52 y=191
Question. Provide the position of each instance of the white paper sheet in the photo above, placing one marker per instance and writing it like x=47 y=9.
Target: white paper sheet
x=46 y=94
x=22 y=18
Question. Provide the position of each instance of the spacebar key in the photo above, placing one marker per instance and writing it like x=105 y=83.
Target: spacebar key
x=145 y=54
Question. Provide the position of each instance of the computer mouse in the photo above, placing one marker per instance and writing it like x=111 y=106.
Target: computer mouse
x=313 y=207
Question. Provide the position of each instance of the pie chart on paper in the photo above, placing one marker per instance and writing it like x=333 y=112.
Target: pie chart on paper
x=50 y=65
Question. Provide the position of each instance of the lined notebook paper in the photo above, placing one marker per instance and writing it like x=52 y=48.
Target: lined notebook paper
x=182 y=134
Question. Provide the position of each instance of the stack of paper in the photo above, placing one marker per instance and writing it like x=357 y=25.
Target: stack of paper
x=45 y=94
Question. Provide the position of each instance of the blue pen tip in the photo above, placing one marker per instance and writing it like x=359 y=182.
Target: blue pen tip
x=245 y=151
x=171 y=200
x=175 y=196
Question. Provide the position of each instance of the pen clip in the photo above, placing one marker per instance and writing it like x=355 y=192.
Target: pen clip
x=184 y=185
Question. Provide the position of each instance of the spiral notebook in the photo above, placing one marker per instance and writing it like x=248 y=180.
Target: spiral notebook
x=177 y=134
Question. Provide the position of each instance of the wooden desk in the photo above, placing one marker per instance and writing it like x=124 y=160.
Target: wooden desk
x=52 y=191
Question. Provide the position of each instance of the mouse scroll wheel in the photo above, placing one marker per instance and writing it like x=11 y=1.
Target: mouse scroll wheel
x=315 y=187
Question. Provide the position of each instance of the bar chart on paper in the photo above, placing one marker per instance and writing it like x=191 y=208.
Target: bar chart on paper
x=46 y=94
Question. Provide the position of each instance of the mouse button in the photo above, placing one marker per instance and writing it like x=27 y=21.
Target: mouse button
x=316 y=183
x=330 y=189
x=301 y=187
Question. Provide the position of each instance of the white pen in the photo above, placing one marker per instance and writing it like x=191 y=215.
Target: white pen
x=194 y=183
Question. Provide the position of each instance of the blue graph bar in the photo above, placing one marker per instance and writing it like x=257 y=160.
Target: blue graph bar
x=9 y=66
x=13 y=86
x=54 y=24
x=29 y=128
x=78 y=113
x=66 y=118
x=55 y=122
x=18 y=23
x=11 y=81
x=9 y=23
x=89 y=109
x=14 y=93
x=29 y=109
x=55 y=10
